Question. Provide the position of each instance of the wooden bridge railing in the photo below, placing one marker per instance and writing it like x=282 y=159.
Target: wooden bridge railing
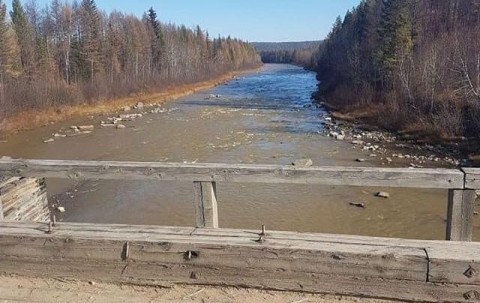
x=461 y=183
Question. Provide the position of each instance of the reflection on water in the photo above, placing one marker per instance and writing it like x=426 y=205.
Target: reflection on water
x=265 y=118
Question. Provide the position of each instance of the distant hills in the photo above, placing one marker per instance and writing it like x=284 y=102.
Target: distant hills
x=285 y=46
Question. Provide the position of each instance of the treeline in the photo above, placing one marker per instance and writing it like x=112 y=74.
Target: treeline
x=285 y=46
x=299 y=53
x=413 y=64
x=67 y=54
x=302 y=57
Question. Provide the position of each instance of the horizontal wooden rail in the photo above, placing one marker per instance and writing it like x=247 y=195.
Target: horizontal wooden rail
x=347 y=176
x=460 y=183
x=420 y=271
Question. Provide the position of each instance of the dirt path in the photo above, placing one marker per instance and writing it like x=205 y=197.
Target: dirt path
x=19 y=289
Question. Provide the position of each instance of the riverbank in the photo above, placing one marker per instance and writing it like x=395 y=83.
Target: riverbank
x=402 y=147
x=32 y=119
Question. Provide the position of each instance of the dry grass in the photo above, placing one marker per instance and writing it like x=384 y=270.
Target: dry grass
x=37 y=118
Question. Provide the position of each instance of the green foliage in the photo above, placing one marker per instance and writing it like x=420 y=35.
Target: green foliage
x=158 y=43
x=152 y=19
x=396 y=32
x=4 y=43
x=24 y=34
x=90 y=56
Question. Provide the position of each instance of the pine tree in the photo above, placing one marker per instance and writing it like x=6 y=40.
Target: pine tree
x=24 y=34
x=90 y=40
x=396 y=32
x=157 y=40
x=8 y=47
x=4 y=43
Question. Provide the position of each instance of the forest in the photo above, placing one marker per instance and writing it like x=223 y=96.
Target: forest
x=406 y=65
x=303 y=54
x=302 y=57
x=68 y=54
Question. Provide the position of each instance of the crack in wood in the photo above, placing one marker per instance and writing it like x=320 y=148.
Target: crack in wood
x=427 y=278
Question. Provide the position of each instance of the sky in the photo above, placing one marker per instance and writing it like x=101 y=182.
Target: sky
x=250 y=20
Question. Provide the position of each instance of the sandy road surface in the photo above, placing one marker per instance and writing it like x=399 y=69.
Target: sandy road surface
x=20 y=289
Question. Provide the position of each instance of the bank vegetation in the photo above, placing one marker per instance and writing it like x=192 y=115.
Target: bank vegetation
x=409 y=65
x=66 y=55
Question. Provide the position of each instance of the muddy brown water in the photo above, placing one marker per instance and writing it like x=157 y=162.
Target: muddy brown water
x=259 y=118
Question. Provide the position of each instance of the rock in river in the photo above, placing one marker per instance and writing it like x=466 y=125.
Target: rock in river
x=120 y=126
x=359 y=205
x=303 y=163
x=382 y=194
x=86 y=127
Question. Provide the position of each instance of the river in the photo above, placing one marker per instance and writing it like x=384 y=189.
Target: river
x=265 y=117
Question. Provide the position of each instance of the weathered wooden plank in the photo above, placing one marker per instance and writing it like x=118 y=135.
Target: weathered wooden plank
x=461 y=204
x=385 y=263
x=18 y=196
x=472 y=178
x=206 y=208
x=285 y=261
x=168 y=275
x=454 y=264
x=7 y=180
x=347 y=176
x=159 y=233
x=24 y=199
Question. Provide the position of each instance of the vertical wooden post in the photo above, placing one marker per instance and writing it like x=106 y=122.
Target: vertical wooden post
x=461 y=203
x=206 y=209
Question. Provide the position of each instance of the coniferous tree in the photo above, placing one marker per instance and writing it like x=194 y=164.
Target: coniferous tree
x=8 y=46
x=25 y=39
x=90 y=40
x=396 y=32
x=157 y=40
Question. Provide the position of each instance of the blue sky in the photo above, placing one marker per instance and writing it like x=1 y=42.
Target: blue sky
x=252 y=20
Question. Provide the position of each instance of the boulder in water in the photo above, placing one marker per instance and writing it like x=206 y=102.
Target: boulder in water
x=382 y=194
x=303 y=163
x=86 y=127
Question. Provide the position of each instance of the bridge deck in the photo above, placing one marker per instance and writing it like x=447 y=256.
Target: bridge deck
x=423 y=271
x=426 y=271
